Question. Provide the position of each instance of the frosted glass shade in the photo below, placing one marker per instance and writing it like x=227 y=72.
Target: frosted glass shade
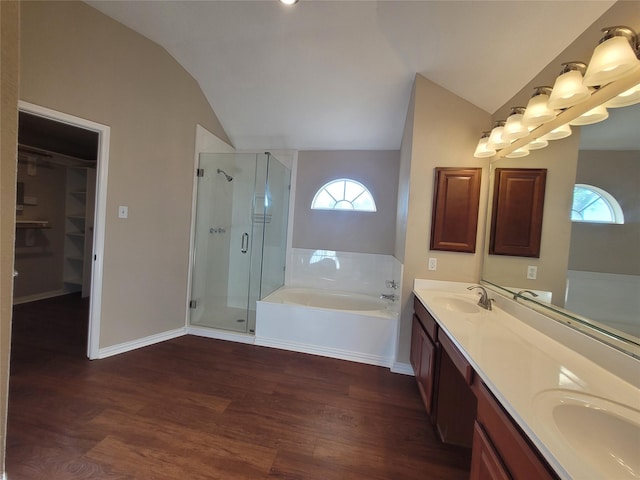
x=595 y=115
x=537 y=144
x=626 y=98
x=519 y=152
x=497 y=139
x=611 y=60
x=513 y=128
x=538 y=111
x=484 y=150
x=568 y=91
x=562 y=131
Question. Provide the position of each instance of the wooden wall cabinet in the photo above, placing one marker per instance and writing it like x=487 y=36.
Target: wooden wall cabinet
x=454 y=221
x=516 y=218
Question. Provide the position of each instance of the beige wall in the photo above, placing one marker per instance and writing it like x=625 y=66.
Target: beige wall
x=9 y=63
x=362 y=232
x=444 y=131
x=80 y=62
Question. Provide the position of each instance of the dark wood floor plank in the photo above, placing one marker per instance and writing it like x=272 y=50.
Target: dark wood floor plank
x=199 y=409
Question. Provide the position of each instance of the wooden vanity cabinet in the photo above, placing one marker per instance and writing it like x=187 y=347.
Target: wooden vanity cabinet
x=457 y=406
x=500 y=449
x=423 y=355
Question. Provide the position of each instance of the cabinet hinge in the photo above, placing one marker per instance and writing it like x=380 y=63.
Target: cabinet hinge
x=200 y=172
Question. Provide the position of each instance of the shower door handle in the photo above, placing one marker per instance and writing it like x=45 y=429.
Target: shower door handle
x=244 y=246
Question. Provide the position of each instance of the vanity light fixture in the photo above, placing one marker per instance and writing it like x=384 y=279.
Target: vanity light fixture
x=563 y=131
x=625 y=99
x=513 y=128
x=538 y=111
x=497 y=139
x=595 y=115
x=537 y=144
x=614 y=57
x=484 y=150
x=568 y=90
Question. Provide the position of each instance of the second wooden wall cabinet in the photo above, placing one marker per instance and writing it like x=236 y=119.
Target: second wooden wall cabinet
x=516 y=218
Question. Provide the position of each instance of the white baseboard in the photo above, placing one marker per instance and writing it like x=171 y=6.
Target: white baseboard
x=324 y=351
x=38 y=296
x=221 y=334
x=403 y=368
x=142 y=342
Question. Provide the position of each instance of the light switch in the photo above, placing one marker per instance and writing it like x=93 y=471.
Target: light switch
x=123 y=211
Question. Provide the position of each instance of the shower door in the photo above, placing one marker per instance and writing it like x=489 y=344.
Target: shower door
x=221 y=272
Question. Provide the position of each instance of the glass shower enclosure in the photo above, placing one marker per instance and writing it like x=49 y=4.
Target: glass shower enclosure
x=240 y=238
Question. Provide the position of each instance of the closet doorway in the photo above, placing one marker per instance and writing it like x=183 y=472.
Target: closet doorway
x=60 y=212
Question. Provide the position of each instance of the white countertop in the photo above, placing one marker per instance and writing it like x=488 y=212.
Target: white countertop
x=519 y=363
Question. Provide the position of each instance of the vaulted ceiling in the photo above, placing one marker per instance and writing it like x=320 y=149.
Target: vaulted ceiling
x=332 y=75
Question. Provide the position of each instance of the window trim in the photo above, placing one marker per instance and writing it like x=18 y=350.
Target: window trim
x=324 y=188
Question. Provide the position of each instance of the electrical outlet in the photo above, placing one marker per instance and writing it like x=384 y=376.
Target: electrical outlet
x=123 y=211
x=433 y=263
x=532 y=272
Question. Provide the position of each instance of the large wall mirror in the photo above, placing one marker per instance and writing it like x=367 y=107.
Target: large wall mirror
x=588 y=273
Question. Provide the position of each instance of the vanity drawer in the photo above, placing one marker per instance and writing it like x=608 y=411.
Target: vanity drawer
x=428 y=322
x=456 y=357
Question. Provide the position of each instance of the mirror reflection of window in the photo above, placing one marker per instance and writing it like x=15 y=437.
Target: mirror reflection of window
x=594 y=205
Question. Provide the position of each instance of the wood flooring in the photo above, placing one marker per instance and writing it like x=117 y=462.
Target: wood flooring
x=200 y=409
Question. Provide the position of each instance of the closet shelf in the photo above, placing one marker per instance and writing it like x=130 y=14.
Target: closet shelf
x=32 y=224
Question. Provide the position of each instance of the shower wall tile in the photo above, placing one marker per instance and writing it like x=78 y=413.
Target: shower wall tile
x=348 y=271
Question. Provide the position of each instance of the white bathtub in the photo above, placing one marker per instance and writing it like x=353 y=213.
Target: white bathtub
x=349 y=326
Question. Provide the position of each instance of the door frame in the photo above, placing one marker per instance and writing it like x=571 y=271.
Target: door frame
x=102 y=163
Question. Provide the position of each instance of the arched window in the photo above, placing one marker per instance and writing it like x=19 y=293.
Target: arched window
x=594 y=205
x=344 y=194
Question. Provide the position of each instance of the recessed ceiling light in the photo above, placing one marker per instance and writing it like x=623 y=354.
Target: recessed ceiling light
x=289 y=2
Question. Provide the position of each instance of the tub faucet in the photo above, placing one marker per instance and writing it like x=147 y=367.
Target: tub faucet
x=392 y=284
x=485 y=301
x=519 y=294
x=389 y=296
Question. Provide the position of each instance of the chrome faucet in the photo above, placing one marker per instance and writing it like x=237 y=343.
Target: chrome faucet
x=392 y=284
x=519 y=294
x=485 y=301
x=389 y=296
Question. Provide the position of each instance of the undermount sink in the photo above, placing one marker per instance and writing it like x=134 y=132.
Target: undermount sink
x=457 y=304
x=599 y=436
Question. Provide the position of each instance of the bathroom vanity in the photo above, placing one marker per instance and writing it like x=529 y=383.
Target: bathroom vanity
x=528 y=405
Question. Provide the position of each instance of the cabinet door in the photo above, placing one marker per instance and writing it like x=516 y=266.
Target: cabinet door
x=485 y=462
x=416 y=346
x=427 y=369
